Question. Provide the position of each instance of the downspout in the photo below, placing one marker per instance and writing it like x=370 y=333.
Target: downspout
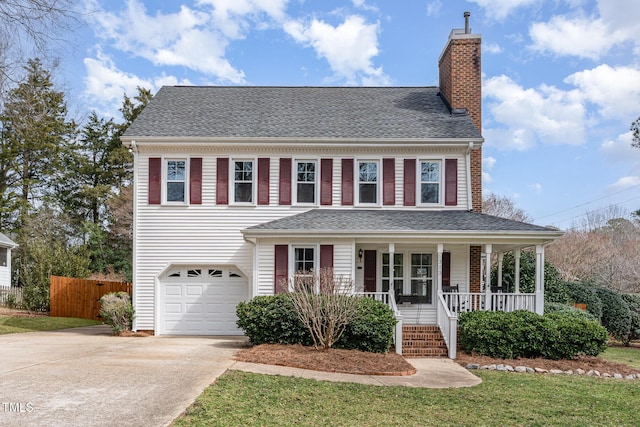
x=134 y=270
x=468 y=165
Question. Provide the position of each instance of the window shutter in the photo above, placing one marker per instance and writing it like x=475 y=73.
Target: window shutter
x=388 y=182
x=347 y=182
x=222 y=181
x=155 y=180
x=326 y=256
x=281 y=267
x=195 y=181
x=326 y=182
x=446 y=268
x=285 y=182
x=409 y=182
x=451 y=182
x=263 y=181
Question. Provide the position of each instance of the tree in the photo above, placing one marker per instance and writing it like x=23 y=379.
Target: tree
x=635 y=129
x=503 y=207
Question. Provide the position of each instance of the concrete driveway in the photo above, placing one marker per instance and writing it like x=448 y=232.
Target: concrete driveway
x=86 y=377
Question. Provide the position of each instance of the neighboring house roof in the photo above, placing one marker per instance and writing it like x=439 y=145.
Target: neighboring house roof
x=397 y=222
x=6 y=242
x=300 y=112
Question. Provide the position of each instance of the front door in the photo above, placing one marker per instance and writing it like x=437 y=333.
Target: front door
x=370 y=271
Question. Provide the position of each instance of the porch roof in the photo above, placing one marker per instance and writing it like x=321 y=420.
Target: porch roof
x=455 y=224
x=6 y=242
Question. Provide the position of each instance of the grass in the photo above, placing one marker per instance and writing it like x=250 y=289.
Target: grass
x=240 y=398
x=627 y=355
x=17 y=324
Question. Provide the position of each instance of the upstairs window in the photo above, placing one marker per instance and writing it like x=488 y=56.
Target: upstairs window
x=243 y=181
x=306 y=182
x=430 y=182
x=368 y=182
x=176 y=180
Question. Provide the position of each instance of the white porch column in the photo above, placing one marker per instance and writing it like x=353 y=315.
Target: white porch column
x=392 y=251
x=500 y=260
x=439 y=277
x=540 y=279
x=487 y=279
x=516 y=256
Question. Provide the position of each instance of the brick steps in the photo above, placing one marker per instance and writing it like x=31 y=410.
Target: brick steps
x=423 y=341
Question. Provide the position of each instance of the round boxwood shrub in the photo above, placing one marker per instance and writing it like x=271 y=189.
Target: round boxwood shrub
x=634 y=307
x=554 y=308
x=372 y=328
x=525 y=334
x=583 y=293
x=616 y=316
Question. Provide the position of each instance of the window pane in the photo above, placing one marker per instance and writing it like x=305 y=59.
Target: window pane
x=306 y=193
x=175 y=170
x=368 y=172
x=243 y=171
x=175 y=191
x=243 y=192
x=303 y=259
x=368 y=193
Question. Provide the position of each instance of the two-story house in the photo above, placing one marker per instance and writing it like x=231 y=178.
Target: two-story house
x=239 y=188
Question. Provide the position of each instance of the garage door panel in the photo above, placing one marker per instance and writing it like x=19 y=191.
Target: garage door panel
x=173 y=290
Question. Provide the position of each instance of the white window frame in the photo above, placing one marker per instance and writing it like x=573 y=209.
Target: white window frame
x=358 y=182
x=292 y=264
x=404 y=271
x=296 y=182
x=165 y=180
x=232 y=181
x=440 y=182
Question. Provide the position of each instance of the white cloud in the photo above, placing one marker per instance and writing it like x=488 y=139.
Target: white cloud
x=487 y=164
x=433 y=8
x=624 y=183
x=493 y=48
x=620 y=151
x=520 y=118
x=500 y=9
x=537 y=187
x=349 y=48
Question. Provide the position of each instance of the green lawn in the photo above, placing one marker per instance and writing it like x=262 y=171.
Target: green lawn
x=627 y=355
x=503 y=399
x=17 y=324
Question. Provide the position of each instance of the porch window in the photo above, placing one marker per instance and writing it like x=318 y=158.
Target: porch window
x=243 y=181
x=422 y=277
x=429 y=182
x=398 y=273
x=306 y=182
x=303 y=266
x=368 y=182
x=3 y=257
x=176 y=180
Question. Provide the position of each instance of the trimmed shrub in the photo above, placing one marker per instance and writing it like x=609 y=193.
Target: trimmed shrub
x=583 y=293
x=372 y=328
x=555 y=308
x=616 y=316
x=117 y=311
x=526 y=334
x=634 y=307
x=271 y=320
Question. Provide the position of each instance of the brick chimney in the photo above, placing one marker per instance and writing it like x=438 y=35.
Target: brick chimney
x=461 y=88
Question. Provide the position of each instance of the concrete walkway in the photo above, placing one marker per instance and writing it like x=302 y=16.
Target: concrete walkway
x=431 y=373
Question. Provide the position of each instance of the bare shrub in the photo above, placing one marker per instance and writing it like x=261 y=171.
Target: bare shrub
x=117 y=311
x=324 y=305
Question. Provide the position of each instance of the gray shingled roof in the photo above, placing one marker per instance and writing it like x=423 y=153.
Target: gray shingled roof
x=300 y=112
x=357 y=220
x=6 y=242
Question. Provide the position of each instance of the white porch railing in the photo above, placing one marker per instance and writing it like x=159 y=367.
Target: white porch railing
x=471 y=301
x=389 y=299
x=448 y=324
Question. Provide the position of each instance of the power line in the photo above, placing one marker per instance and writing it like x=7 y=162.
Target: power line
x=597 y=210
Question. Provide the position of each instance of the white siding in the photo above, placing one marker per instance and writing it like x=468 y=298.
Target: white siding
x=5 y=276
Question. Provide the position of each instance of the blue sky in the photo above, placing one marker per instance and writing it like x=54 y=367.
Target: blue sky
x=561 y=78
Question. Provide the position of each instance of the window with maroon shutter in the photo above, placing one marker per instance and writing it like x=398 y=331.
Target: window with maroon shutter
x=263 y=181
x=195 y=181
x=222 y=181
x=409 y=182
x=326 y=182
x=347 y=182
x=388 y=182
x=281 y=267
x=451 y=182
x=284 y=197
x=446 y=269
x=155 y=180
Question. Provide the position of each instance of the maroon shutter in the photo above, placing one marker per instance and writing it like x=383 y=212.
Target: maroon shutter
x=347 y=182
x=263 y=181
x=409 y=182
x=281 y=267
x=388 y=182
x=451 y=182
x=155 y=180
x=326 y=256
x=285 y=182
x=326 y=182
x=195 y=181
x=446 y=268
x=222 y=181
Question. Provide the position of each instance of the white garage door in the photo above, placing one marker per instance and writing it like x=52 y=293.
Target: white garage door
x=201 y=301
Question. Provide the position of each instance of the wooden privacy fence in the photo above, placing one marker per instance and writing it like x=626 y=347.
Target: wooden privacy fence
x=80 y=297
